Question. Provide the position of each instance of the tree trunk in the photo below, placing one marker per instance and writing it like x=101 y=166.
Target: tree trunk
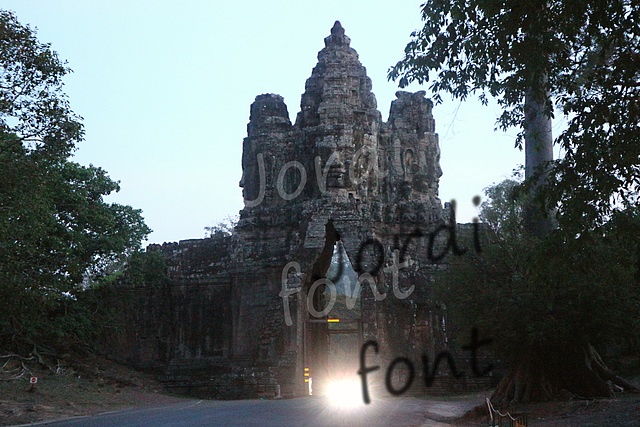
x=538 y=148
x=557 y=373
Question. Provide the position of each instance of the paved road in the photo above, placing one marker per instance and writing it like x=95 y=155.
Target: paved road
x=314 y=411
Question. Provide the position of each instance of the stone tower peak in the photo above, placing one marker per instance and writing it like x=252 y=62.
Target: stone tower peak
x=339 y=87
x=337 y=37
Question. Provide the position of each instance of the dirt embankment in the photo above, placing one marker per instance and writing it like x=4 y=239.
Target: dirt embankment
x=621 y=411
x=90 y=386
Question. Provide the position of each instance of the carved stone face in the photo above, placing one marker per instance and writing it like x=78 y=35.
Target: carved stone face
x=409 y=164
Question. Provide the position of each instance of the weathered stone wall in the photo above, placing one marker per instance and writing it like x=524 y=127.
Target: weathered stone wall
x=339 y=173
x=188 y=318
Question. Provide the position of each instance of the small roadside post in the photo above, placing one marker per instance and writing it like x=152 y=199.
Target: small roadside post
x=33 y=381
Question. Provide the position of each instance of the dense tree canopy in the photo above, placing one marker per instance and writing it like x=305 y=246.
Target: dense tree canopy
x=585 y=55
x=56 y=231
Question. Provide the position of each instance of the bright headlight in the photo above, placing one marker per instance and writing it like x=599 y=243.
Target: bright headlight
x=345 y=393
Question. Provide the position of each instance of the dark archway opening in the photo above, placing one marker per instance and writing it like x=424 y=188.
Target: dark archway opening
x=333 y=331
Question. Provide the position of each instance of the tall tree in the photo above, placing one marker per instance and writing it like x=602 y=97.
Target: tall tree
x=55 y=228
x=585 y=58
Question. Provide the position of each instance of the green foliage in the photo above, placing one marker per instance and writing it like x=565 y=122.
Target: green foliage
x=56 y=231
x=32 y=104
x=495 y=48
x=145 y=269
x=530 y=295
x=585 y=55
x=223 y=228
x=503 y=209
x=600 y=88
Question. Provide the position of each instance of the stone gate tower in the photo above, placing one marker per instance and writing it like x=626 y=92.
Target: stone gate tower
x=250 y=310
x=338 y=173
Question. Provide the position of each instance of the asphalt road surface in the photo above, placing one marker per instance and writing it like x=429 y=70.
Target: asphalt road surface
x=312 y=411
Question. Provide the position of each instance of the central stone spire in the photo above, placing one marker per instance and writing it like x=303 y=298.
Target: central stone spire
x=338 y=90
x=337 y=36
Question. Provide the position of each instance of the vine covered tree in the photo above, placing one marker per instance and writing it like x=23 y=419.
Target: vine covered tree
x=581 y=59
x=55 y=228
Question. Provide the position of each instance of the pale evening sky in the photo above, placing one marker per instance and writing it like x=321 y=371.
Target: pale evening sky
x=165 y=88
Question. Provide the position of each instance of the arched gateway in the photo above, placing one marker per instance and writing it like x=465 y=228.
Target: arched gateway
x=247 y=315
